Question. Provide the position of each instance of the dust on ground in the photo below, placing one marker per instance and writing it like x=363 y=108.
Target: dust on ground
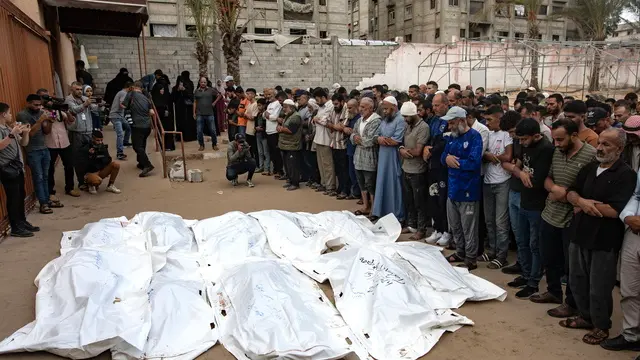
x=513 y=329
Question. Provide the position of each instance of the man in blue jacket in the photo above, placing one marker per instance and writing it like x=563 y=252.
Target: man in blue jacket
x=463 y=157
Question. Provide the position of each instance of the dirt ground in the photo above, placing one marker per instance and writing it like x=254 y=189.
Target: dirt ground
x=513 y=329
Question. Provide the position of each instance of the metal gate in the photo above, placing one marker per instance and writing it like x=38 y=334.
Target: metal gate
x=25 y=66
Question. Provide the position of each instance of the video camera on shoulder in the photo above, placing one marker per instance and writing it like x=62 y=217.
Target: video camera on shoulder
x=54 y=103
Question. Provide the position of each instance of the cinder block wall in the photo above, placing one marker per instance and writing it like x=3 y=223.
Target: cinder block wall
x=174 y=55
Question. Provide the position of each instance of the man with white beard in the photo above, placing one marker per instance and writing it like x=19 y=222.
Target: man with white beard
x=463 y=156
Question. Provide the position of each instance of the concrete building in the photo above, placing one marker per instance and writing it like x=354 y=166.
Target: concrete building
x=443 y=21
x=319 y=18
x=625 y=32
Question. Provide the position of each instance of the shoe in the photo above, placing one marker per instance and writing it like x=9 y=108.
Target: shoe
x=250 y=184
x=259 y=170
x=121 y=157
x=145 y=172
x=620 y=343
x=514 y=269
x=84 y=187
x=468 y=265
x=74 y=193
x=485 y=258
x=341 y=196
x=321 y=189
x=113 y=189
x=434 y=237
x=545 y=298
x=27 y=226
x=215 y=148
x=293 y=187
x=562 y=311
x=286 y=185
x=139 y=166
x=45 y=209
x=201 y=148
x=234 y=182
x=497 y=264
x=21 y=233
x=526 y=292
x=127 y=144
x=53 y=198
x=330 y=193
x=518 y=283
x=93 y=190
x=444 y=240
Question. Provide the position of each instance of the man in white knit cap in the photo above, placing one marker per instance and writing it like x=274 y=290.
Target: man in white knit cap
x=414 y=179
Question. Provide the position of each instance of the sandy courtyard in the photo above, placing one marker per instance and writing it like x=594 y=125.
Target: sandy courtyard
x=513 y=329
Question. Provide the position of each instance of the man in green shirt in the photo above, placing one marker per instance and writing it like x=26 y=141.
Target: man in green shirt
x=570 y=155
x=290 y=142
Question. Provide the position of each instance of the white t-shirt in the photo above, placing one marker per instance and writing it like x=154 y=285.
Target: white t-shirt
x=497 y=143
x=544 y=130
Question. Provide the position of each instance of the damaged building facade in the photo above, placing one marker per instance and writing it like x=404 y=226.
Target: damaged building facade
x=317 y=18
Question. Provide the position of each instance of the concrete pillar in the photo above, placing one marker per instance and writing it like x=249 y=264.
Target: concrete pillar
x=251 y=26
x=182 y=31
x=335 y=65
x=281 y=17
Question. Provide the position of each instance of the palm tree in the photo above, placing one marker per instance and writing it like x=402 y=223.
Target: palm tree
x=531 y=9
x=595 y=19
x=202 y=12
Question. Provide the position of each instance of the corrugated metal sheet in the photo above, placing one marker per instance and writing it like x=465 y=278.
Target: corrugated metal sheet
x=25 y=66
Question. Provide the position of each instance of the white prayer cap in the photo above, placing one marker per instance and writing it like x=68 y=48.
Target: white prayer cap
x=289 y=102
x=391 y=100
x=408 y=109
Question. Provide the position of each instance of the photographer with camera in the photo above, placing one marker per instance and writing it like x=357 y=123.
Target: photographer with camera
x=100 y=164
x=38 y=156
x=12 y=172
x=80 y=130
x=239 y=160
x=57 y=141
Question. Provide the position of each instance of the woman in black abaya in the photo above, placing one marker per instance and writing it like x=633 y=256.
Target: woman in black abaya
x=162 y=101
x=182 y=96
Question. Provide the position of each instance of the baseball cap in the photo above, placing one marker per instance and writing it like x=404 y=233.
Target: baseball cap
x=408 y=109
x=228 y=78
x=593 y=115
x=454 y=113
x=239 y=137
x=289 y=102
x=632 y=125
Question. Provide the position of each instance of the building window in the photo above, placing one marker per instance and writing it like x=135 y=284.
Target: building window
x=265 y=31
x=520 y=11
x=322 y=2
x=476 y=35
x=163 y=30
x=407 y=38
x=476 y=7
x=437 y=33
x=463 y=33
x=555 y=37
x=502 y=9
x=519 y=35
x=391 y=16
x=503 y=34
x=297 y=31
x=432 y=4
x=543 y=10
x=454 y=2
x=191 y=30
x=557 y=7
x=323 y=34
x=244 y=30
x=408 y=11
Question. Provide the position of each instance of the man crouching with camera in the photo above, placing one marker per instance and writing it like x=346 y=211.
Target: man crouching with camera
x=239 y=160
x=100 y=165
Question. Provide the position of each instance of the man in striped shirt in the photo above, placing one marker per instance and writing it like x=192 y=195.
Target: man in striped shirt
x=570 y=155
x=339 y=146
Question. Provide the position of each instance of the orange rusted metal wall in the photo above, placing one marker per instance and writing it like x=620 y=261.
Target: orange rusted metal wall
x=25 y=66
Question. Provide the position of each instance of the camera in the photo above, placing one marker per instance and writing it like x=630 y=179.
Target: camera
x=54 y=103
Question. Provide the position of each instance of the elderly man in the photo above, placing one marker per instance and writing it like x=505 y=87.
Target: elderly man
x=600 y=193
x=290 y=142
x=80 y=130
x=569 y=157
x=631 y=153
x=388 y=199
x=437 y=172
x=322 y=140
x=463 y=156
x=271 y=116
x=343 y=131
x=454 y=96
x=365 y=158
x=416 y=137
x=629 y=339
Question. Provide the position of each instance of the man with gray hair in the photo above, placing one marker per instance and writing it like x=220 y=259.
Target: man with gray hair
x=600 y=193
x=365 y=158
x=463 y=156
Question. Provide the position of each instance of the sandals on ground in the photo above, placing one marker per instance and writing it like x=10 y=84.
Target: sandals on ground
x=596 y=336
x=361 y=212
x=576 y=323
x=453 y=258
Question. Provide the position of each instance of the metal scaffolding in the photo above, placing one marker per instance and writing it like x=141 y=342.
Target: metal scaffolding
x=507 y=66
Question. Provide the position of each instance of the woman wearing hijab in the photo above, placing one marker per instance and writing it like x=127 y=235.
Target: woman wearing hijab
x=182 y=97
x=220 y=109
x=162 y=101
